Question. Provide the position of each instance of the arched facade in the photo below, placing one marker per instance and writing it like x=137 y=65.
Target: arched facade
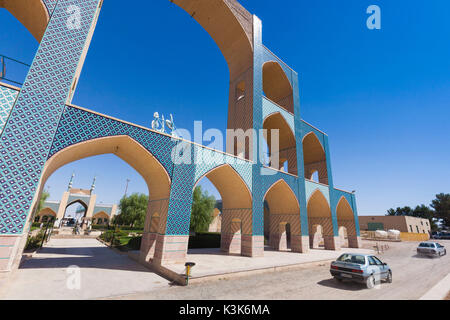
x=276 y=86
x=236 y=225
x=45 y=212
x=284 y=217
x=314 y=158
x=287 y=150
x=319 y=214
x=346 y=219
x=264 y=93
x=33 y=14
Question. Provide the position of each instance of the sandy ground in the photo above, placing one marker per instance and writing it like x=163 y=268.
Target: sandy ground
x=105 y=274
x=413 y=277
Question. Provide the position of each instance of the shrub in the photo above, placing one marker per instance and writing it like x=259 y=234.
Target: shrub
x=204 y=240
x=135 y=243
x=34 y=242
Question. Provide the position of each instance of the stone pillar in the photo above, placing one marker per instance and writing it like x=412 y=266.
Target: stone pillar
x=331 y=242
x=300 y=243
x=252 y=246
x=170 y=249
x=91 y=206
x=62 y=206
x=354 y=241
x=148 y=246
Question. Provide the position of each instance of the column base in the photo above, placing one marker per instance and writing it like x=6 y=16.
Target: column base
x=331 y=243
x=11 y=247
x=354 y=242
x=231 y=243
x=170 y=249
x=252 y=246
x=300 y=244
x=148 y=246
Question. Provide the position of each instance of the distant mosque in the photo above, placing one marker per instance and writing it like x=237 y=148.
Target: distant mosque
x=88 y=209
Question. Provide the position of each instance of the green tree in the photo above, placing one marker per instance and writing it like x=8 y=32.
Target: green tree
x=405 y=211
x=441 y=206
x=202 y=210
x=44 y=196
x=133 y=210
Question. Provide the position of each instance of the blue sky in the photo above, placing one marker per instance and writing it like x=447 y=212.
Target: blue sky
x=382 y=96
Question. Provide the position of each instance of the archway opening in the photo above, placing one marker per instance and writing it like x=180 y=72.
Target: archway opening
x=235 y=209
x=314 y=158
x=287 y=150
x=32 y=14
x=74 y=214
x=282 y=225
x=45 y=214
x=18 y=46
x=320 y=222
x=277 y=87
x=138 y=158
x=100 y=218
x=346 y=222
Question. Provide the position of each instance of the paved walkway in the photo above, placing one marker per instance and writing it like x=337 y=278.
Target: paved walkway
x=103 y=273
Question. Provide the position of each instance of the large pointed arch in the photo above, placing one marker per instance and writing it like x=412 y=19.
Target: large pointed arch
x=319 y=214
x=287 y=145
x=284 y=224
x=346 y=219
x=231 y=27
x=236 y=224
x=314 y=158
x=277 y=86
x=32 y=14
x=139 y=158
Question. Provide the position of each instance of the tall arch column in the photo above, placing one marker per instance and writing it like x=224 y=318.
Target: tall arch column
x=26 y=141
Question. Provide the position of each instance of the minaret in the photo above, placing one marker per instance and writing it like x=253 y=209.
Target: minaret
x=93 y=185
x=71 y=182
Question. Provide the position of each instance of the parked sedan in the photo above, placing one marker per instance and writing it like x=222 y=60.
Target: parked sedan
x=431 y=249
x=362 y=268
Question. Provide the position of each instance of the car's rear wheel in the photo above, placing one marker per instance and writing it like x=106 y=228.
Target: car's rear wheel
x=389 y=277
x=370 y=282
x=338 y=279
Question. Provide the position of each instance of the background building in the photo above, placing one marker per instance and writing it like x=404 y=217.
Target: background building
x=400 y=223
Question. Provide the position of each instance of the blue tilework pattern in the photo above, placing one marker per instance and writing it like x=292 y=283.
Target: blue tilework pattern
x=28 y=134
x=7 y=98
x=269 y=108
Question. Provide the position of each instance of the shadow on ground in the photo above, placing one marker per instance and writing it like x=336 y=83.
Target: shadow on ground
x=83 y=257
x=344 y=285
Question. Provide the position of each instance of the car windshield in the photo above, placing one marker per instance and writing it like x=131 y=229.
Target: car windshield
x=352 y=258
x=426 y=245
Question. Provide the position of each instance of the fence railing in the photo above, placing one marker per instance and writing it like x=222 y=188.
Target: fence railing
x=12 y=70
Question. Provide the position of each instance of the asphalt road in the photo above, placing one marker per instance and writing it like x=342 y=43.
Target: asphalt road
x=413 y=276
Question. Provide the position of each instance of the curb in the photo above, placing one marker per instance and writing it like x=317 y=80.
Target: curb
x=439 y=291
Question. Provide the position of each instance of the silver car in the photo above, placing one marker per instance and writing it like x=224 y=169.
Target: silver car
x=431 y=249
x=362 y=268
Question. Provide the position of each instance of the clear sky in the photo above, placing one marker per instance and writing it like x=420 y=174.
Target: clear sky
x=382 y=96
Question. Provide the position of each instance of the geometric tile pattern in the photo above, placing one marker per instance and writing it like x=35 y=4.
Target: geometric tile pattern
x=270 y=108
x=50 y=4
x=7 y=98
x=27 y=136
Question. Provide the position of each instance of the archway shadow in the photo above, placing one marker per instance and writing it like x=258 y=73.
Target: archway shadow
x=83 y=257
